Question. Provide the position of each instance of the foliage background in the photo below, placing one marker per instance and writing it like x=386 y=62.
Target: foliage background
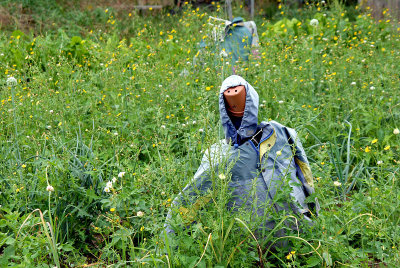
x=103 y=91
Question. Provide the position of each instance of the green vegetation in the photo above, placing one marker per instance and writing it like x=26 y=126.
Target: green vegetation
x=106 y=122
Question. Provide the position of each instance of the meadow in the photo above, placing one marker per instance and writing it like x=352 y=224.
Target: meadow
x=104 y=118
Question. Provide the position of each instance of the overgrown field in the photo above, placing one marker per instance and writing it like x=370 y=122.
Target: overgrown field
x=105 y=124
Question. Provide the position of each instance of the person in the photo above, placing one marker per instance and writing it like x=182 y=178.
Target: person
x=234 y=40
x=262 y=156
x=240 y=40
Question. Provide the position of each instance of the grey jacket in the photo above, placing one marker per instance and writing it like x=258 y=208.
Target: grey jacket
x=257 y=167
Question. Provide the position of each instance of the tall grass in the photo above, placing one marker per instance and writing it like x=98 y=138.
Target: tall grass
x=116 y=117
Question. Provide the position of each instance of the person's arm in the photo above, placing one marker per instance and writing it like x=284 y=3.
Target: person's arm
x=195 y=195
x=303 y=169
x=255 y=44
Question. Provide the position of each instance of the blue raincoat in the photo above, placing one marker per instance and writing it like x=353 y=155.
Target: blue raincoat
x=261 y=157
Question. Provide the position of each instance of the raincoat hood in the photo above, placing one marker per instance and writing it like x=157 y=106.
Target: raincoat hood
x=249 y=123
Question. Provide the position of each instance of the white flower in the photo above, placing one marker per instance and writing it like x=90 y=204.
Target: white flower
x=162 y=193
x=221 y=176
x=280 y=102
x=114 y=179
x=223 y=54
x=279 y=153
x=163 y=126
x=379 y=162
x=337 y=183
x=50 y=188
x=51 y=111
x=183 y=125
x=201 y=130
x=121 y=174
x=106 y=189
x=396 y=131
x=194 y=122
x=372 y=88
x=140 y=214
x=11 y=81
x=314 y=22
x=109 y=184
x=353 y=83
x=115 y=133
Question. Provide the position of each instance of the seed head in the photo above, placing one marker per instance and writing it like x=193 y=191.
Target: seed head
x=50 y=188
x=314 y=22
x=11 y=81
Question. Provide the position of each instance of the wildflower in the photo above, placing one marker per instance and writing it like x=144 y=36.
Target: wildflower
x=114 y=179
x=194 y=122
x=140 y=214
x=51 y=111
x=50 y=188
x=106 y=189
x=314 y=22
x=379 y=162
x=337 y=183
x=223 y=54
x=278 y=153
x=367 y=149
x=115 y=133
x=121 y=174
x=163 y=126
x=280 y=102
x=112 y=209
x=11 y=81
x=374 y=141
x=109 y=184
x=396 y=131
x=372 y=88
x=222 y=176
x=386 y=147
x=201 y=130
x=353 y=83
x=291 y=255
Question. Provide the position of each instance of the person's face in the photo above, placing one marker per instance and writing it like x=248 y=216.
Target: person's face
x=235 y=99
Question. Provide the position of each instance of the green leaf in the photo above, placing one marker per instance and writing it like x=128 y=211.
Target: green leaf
x=313 y=261
x=327 y=257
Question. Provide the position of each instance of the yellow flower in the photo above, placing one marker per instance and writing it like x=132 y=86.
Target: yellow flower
x=374 y=141
x=112 y=209
x=367 y=149
x=387 y=148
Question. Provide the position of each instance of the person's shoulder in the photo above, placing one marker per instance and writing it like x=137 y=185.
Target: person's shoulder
x=279 y=128
x=216 y=153
x=272 y=123
x=220 y=145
